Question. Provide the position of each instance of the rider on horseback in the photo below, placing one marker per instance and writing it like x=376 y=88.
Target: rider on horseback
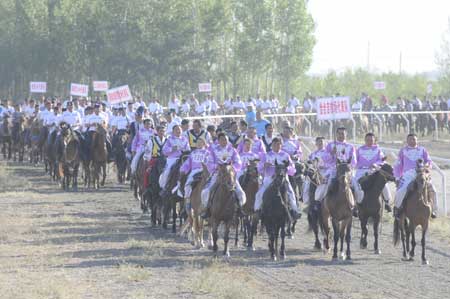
x=197 y=133
x=291 y=145
x=267 y=167
x=343 y=151
x=144 y=134
x=247 y=156
x=174 y=147
x=257 y=145
x=222 y=153
x=193 y=166
x=369 y=157
x=323 y=159
x=405 y=172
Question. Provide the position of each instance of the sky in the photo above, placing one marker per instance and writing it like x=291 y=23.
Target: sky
x=346 y=30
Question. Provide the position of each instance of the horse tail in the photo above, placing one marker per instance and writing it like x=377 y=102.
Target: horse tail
x=396 y=236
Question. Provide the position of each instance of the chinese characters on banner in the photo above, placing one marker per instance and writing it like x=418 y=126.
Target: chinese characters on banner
x=204 y=87
x=379 y=85
x=100 y=85
x=334 y=108
x=79 y=90
x=119 y=94
x=38 y=87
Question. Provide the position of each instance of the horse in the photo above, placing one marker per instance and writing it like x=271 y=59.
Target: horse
x=194 y=210
x=417 y=211
x=151 y=197
x=18 y=139
x=338 y=205
x=297 y=185
x=223 y=206
x=250 y=184
x=275 y=211
x=5 y=134
x=172 y=197
x=119 y=145
x=99 y=156
x=68 y=157
x=317 y=215
x=35 y=141
x=372 y=203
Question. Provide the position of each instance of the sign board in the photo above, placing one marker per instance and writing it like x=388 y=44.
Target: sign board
x=429 y=88
x=79 y=90
x=378 y=85
x=204 y=87
x=38 y=87
x=100 y=85
x=333 y=108
x=119 y=94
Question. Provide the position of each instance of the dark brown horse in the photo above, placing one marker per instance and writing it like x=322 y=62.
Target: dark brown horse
x=171 y=198
x=250 y=185
x=18 y=139
x=275 y=211
x=372 y=203
x=338 y=205
x=5 y=135
x=99 y=156
x=69 y=158
x=416 y=212
x=223 y=206
x=35 y=129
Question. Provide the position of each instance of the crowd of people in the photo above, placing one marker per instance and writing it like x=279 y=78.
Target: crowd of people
x=155 y=131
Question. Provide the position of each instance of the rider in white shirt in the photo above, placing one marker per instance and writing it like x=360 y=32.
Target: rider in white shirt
x=174 y=104
x=70 y=117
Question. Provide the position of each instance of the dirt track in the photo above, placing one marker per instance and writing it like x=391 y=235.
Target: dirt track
x=99 y=245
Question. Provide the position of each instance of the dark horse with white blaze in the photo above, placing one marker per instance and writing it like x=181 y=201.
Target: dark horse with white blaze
x=372 y=203
x=275 y=210
x=250 y=185
x=338 y=205
x=223 y=205
x=417 y=211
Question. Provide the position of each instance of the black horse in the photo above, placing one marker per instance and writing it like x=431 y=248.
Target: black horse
x=372 y=204
x=119 y=146
x=151 y=196
x=275 y=211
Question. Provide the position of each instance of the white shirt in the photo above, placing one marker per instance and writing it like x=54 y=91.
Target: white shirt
x=72 y=118
x=94 y=119
x=214 y=106
x=154 y=107
x=239 y=105
x=139 y=104
x=120 y=122
x=174 y=104
x=51 y=120
x=175 y=121
x=28 y=111
x=185 y=108
x=228 y=104
x=130 y=115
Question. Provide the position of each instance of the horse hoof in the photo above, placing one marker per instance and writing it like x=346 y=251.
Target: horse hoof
x=226 y=255
x=343 y=256
x=283 y=256
x=274 y=258
x=334 y=258
x=425 y=262
x=377 y=252
x=210 y=247
x=291 y=237
x=411 y=259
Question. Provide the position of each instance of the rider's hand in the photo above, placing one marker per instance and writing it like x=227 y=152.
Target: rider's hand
x=267 y=164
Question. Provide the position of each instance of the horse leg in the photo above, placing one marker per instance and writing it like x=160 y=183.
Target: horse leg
x=174 y=214
x=376 y=226
x=348 y=238
x=271 y=238
x=215 y=236
x=236 y=236
x=402 y=236
x=75 y=178
x=282 y=248
x=364 y=232
x=104 y=174
x=408 y=235
x=412 y=231
x=424 y=232
x=335 y=237
x=226 y=238
x=341 y=238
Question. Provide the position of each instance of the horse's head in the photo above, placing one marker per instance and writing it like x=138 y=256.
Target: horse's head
x=343 y=171
x=423 y=174
x=387 y=171
x=312 y=171
x=100 y=130
x=252 y=170
x=280 y=171
x=226 y=175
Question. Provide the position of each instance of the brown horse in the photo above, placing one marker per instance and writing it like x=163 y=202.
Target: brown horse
x=223 y=206
x=35 y=148
x=417 y=211
x=250 y=185
x=338 y=205
x=99 y=156
x=194 y=210
x=69 y=158
x=5 y=134
x=372 y=203
x=18 y=139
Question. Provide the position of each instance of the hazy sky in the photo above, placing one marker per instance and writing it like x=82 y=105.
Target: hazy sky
x=345 y=27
